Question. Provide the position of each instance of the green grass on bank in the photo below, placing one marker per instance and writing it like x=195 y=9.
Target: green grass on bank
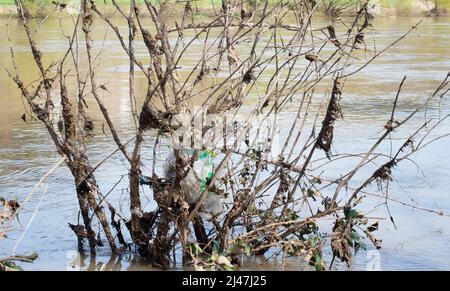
x=199 y=3
x=402 y=7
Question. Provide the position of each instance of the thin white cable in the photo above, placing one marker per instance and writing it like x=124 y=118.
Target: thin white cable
x=30 y=221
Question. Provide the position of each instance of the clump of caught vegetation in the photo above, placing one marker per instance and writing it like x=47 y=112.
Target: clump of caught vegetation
x=232 y=185
x=337 y=8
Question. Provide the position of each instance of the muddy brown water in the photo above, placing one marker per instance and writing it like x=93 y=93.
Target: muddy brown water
x=419 y=242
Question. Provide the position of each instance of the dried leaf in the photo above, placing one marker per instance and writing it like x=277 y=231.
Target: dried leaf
x=311 y=57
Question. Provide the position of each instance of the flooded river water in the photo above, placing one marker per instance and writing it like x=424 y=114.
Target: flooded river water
x=421 y=240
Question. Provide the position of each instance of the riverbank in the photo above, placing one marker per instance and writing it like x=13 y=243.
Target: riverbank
x=391 y=8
